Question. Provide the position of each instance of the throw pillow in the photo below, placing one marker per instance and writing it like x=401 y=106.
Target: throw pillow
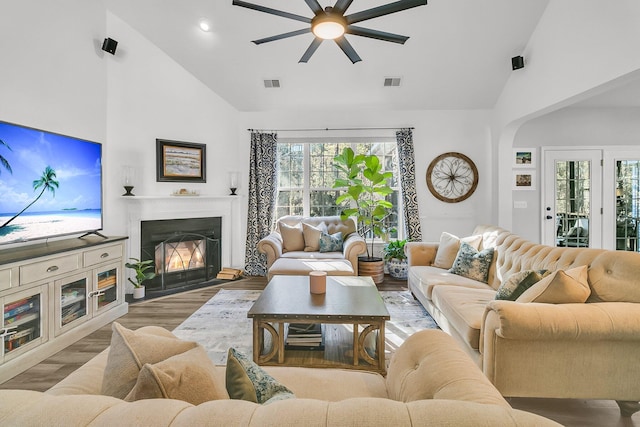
x=331 y=242
x=472 y=264
x=245 y=380
x=519 y=282
x=188 y=376
x=312 y=235
x=449 y=247
x=560 y=287
x=130 y=350
x=292 y=237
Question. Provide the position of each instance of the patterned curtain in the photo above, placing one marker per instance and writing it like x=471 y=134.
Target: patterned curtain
x=262 y=198
x=406 y=161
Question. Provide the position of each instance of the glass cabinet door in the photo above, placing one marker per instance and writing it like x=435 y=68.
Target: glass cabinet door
x=23 y=321
x=73 y=301
x=106 y=293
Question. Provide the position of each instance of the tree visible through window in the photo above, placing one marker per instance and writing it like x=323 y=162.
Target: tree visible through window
x=306 y=175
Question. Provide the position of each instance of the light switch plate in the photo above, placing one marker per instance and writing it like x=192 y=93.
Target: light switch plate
x=521 y=204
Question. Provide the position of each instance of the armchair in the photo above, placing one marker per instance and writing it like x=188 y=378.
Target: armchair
x=293 y=247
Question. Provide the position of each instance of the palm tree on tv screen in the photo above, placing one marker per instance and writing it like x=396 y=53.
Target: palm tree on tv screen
x=4 y=162
x=48 y=182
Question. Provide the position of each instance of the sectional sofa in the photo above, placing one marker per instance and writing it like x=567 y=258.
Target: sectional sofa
x=430 y=382
x=577 y=341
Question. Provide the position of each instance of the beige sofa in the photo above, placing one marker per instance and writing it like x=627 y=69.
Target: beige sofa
x=430 y=382
x=579 y=350
x=292 y=248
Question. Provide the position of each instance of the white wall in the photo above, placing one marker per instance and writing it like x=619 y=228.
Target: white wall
x=569 y=127
x=54 y=76
x=435 y=132
x=150 y=96
x=580 y=48
x=52 y=71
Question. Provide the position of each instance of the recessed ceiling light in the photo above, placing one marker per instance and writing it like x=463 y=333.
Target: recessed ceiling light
x=205 y=25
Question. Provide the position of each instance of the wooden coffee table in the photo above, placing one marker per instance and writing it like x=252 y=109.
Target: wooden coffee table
x=349 y=300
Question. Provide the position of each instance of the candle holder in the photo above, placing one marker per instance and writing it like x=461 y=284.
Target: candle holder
x=234 y=182
x=127 y=179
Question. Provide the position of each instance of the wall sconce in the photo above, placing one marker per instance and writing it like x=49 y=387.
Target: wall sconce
x=128 y=177
x=234 y=182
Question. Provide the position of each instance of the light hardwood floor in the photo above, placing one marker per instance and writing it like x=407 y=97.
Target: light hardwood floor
x=170 y=311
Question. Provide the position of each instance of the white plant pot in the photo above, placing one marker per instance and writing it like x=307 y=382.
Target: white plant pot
x=138 y=292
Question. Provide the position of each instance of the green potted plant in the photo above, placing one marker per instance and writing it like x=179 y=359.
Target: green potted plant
x=367 y=186
x=396 y=260
x=142 y=274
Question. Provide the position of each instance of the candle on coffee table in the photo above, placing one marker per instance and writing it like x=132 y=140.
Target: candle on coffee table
x=318 y=282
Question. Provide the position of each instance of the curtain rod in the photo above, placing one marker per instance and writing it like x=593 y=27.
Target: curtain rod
x=325 y=129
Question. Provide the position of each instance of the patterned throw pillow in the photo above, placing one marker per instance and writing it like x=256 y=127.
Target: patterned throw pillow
x=331 y=242
x=472 y=264
x=245 y=380
x=519 y=282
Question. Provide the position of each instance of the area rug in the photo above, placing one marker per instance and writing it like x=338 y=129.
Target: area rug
x=222 y=322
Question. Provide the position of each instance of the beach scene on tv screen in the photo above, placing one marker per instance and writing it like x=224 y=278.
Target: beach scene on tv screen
x=50 y=184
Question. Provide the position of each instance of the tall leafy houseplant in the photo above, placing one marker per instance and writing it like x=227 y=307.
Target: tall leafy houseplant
x=366 y=185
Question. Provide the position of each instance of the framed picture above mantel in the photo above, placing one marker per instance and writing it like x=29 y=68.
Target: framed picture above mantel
x=178 y=161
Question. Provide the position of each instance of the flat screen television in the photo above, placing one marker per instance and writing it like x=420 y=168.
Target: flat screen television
x=50 y=184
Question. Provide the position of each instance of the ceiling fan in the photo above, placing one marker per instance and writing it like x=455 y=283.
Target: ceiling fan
x=331 y=23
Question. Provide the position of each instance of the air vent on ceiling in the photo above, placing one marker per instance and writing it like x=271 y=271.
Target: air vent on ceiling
x=391 y=81
x=272 y=83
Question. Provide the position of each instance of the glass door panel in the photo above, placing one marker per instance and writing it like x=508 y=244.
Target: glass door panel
x=627 y=196
x=572 y=198
x=573 y=207
x=73 y=301
x=107 y=287
x=22 y=321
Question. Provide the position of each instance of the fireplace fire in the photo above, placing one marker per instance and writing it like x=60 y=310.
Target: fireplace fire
x=178 y=256
x=186 y=252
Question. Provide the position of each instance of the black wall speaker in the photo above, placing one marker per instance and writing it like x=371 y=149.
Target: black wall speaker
x=109 y=45
x=517 y=62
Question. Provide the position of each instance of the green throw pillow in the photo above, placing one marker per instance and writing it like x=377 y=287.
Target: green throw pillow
x=519 y=282
x=331 y=242
x=245 y=380
x=472 y=264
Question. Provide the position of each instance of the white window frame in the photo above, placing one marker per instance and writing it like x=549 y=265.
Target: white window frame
x=306 y=185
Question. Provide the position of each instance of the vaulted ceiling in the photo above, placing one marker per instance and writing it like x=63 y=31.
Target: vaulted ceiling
x=458 y=55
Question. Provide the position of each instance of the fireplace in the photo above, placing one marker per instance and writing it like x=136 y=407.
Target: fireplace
x=186 y=252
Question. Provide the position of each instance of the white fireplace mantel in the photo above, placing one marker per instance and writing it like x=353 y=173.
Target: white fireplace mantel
x=149 y=208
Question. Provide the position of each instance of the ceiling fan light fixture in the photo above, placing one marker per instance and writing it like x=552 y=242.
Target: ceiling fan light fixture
x=328 y=26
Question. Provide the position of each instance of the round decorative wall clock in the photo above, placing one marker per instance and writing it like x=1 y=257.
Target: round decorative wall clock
x=452 y=177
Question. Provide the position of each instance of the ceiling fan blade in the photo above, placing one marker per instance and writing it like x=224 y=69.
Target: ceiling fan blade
x=271 y=11
x=376 y=34
x=315 y=6
x=384 y=10
x=348 y=49
x=341 y=6
x=311 y=50
x=282 y=36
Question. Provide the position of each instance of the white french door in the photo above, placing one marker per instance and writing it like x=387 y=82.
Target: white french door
x=592 y=198
x=621 y=195
x=572 y=199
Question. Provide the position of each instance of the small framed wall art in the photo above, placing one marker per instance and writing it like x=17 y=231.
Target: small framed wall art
x=180 y=161
x=524 y=180
x=524 y=157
